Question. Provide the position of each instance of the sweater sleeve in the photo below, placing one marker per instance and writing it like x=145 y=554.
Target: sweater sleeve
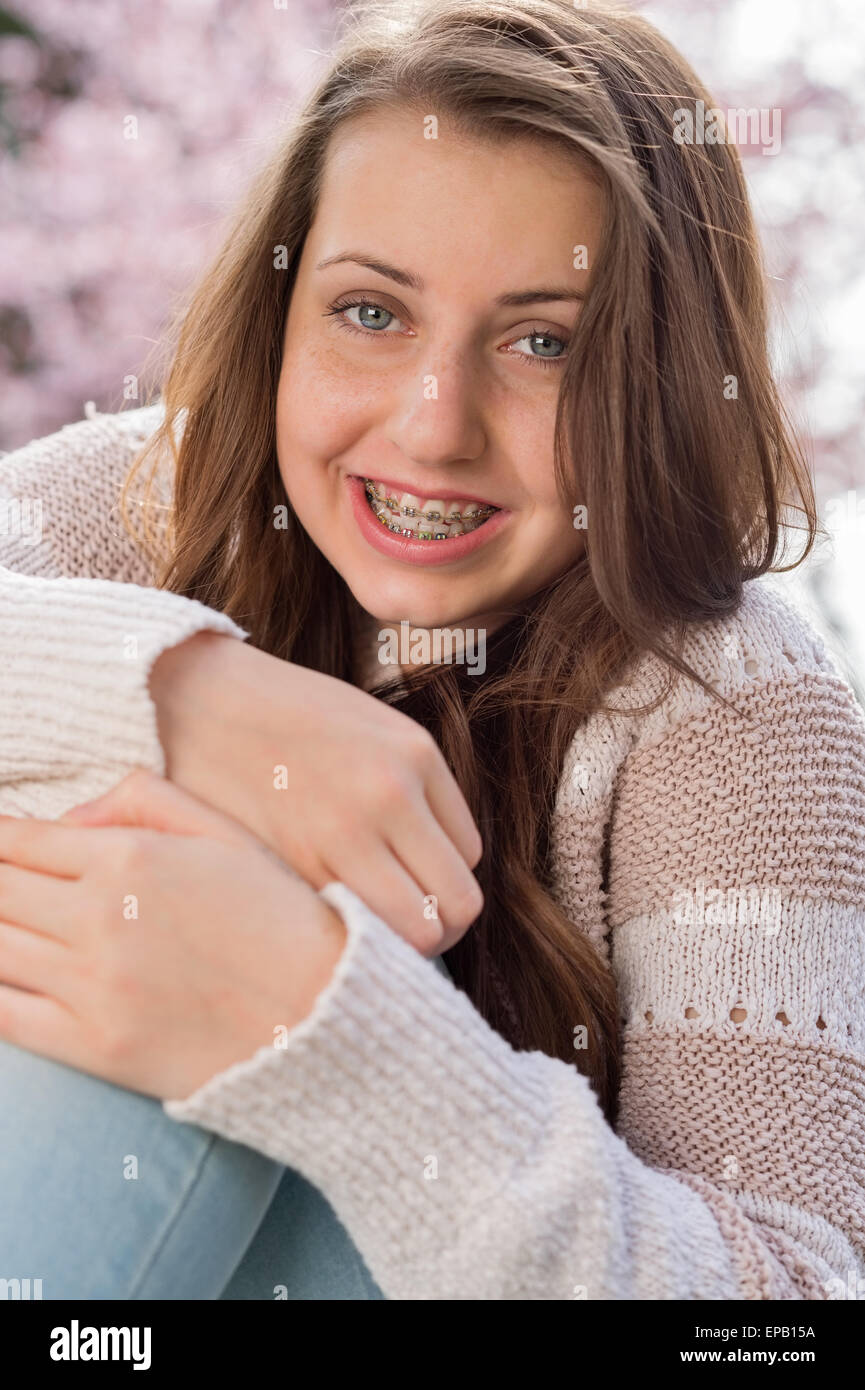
x=80 y=623
x=463 y=1169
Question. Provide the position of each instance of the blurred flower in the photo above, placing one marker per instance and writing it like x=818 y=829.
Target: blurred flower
x=808 y=198
x=99 y=231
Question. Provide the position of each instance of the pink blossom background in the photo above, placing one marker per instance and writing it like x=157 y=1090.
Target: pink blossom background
x=98 y=232
x=808 y=62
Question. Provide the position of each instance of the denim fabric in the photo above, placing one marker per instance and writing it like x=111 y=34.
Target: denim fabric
x=103 y=1196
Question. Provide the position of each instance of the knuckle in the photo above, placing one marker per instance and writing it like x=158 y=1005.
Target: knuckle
x=123 y=795
x=133 y=852
x=392 y=790
x=116 y=1041
x=418 y=747
x=137 y=783
x=427 y=936
x=467 y=905
x=133 y=792
x=109 y=997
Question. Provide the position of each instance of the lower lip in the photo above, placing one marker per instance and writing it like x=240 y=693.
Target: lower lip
x=418 y=552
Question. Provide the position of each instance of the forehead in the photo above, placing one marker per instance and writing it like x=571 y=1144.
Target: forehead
x=450 y=206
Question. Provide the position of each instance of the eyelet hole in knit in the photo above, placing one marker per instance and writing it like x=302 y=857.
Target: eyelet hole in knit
x=821 y=1023
x=743 y=1014
x=751 y=667
x=790 y=657
x=692 y=1013
x=783 y=1018
x=649 y=1016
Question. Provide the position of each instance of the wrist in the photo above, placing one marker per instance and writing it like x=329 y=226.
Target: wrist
x=177 y=679
x=331 y=940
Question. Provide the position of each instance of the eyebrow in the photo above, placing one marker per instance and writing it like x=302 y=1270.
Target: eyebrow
x=542 y=294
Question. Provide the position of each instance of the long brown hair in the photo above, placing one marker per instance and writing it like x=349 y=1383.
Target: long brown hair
x=687 y=491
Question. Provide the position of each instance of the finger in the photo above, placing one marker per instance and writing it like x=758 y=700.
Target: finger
x=450 y=809
x=30 y=961
x=38 y=901
x=432 y=861
x=375 y=874
x=47 y=846
x=143 y=799
x=36 y=1023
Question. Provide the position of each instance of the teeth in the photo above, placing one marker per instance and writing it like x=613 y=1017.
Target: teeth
x=424 y=518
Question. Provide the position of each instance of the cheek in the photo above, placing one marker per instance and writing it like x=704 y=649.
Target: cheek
x=320 y=412
x=548 y=540
x=551 y=544
x=530 y=443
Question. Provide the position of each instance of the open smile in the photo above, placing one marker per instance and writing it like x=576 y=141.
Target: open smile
x=425 y=518
x=422 y=530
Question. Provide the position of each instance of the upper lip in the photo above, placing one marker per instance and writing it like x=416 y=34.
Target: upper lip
x=446 y=494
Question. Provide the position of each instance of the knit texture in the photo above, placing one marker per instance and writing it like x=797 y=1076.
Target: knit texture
x=717 y=861
x=80 y=628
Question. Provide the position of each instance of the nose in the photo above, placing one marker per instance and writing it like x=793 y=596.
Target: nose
x=436 y=417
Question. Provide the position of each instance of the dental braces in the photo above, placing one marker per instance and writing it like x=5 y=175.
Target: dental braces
x=391 y=503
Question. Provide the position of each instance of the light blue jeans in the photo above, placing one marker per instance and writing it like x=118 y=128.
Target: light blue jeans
x=103 y=1196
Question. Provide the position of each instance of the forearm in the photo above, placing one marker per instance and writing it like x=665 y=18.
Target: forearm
x=75 y=709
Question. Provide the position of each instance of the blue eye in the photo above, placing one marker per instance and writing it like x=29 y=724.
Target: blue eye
x=377 y=316
x=374 y=318
x=550 y=347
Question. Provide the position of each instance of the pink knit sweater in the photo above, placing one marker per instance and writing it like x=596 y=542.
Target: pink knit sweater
x=732 y=913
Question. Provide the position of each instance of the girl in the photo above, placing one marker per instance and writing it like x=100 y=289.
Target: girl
x=484 y=352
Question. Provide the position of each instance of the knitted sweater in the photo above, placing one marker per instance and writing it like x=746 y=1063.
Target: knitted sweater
x=718 y=865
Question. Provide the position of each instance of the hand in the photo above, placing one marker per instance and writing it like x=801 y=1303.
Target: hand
x=151 y=959
x=364 y=796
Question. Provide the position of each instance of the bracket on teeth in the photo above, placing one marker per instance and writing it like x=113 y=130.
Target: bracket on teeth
x=381 y=504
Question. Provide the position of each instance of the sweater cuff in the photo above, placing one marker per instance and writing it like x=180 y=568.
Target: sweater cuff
x=394 y=1079
x=79 y=655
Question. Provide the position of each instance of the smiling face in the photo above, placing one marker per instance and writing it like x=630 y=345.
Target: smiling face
x=424 y=346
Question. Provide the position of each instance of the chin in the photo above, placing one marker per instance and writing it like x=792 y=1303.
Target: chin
x=390 y=604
